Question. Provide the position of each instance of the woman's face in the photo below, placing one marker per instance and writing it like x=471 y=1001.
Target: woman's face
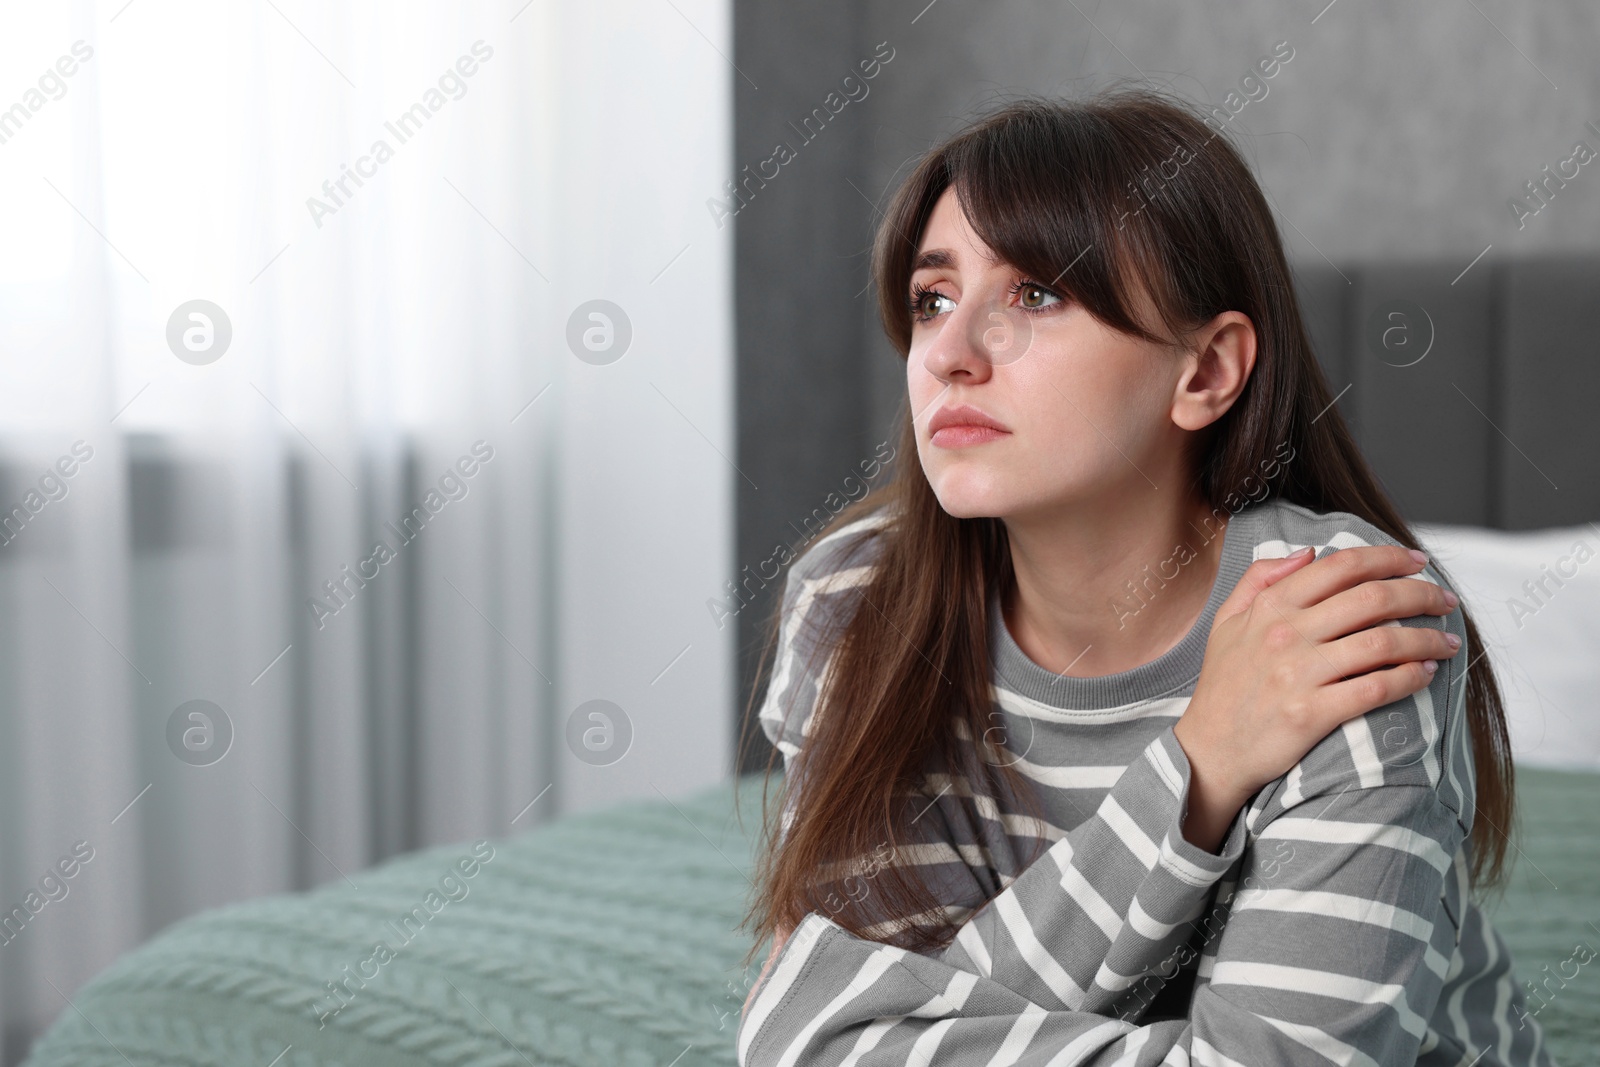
x=1084 y=412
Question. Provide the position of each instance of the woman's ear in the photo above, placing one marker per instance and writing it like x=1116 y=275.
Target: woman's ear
x=1216 y=369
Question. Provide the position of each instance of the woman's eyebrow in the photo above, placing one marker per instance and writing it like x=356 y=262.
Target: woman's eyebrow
x=934 y=258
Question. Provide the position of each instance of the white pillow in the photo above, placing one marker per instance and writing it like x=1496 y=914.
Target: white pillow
x=1535 y=597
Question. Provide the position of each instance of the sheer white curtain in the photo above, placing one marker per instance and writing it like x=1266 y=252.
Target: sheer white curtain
x=398 y=218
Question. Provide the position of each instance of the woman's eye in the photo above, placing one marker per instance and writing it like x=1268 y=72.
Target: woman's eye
x=924 y=303
x=920 y=303
x=1029 y=292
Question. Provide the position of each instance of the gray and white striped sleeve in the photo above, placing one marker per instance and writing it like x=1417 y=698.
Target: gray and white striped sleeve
x=1341 y=960
x=1109 y=901
x=1072 y=936
x=820 y=589
x=1312 y=971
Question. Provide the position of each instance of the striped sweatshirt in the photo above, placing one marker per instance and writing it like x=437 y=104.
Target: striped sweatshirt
x=1333 y=924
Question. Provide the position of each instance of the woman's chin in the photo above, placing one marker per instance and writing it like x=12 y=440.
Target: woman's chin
x=970 y=502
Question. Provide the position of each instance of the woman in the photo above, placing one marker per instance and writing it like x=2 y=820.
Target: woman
x=1127 y=725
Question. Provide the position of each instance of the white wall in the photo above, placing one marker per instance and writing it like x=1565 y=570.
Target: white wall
x=646 y=479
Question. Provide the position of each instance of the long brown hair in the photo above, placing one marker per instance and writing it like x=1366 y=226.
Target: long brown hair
x=1129 y=189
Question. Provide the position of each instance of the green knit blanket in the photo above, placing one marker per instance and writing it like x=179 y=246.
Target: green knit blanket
x=606 y=939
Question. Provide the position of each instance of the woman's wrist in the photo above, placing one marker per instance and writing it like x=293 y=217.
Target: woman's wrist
x=1212 y=803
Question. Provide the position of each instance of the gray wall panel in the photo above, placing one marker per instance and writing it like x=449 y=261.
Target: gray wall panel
x=801 y=391
x=1325 y=294
x=1551 y=376
x=1418 y=347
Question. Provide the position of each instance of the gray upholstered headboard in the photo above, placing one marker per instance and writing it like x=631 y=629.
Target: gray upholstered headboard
x=1497 y=424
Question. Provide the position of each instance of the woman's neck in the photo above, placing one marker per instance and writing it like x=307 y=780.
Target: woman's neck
x=1104 y=588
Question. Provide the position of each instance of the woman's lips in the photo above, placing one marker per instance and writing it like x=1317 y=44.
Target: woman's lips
x=963 y=435
x=963 y=425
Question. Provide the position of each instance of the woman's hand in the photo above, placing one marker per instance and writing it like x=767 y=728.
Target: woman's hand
x=1296 y=650
x=778 y=938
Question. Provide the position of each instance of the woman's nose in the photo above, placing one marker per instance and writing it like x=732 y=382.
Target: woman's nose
x=976 y=339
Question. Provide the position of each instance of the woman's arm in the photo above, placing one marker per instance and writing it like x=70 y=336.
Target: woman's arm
x=1107 y=902
x=1110 y=900
x=1337 y=953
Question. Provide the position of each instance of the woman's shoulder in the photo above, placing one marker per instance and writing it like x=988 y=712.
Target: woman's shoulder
x=841 y=558
x=822 y=586
x=1419 y=740
x=1281 y=526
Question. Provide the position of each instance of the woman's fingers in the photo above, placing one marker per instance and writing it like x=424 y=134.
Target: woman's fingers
x=1382 y=646
x=1372 y=603
x=1257 y=577
x=1342 y=570
x=1343 y=701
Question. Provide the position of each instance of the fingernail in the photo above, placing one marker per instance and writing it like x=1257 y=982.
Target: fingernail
x=1451 y=599
x=1430 y=665
x=1418 y=555
x=1452 y=640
